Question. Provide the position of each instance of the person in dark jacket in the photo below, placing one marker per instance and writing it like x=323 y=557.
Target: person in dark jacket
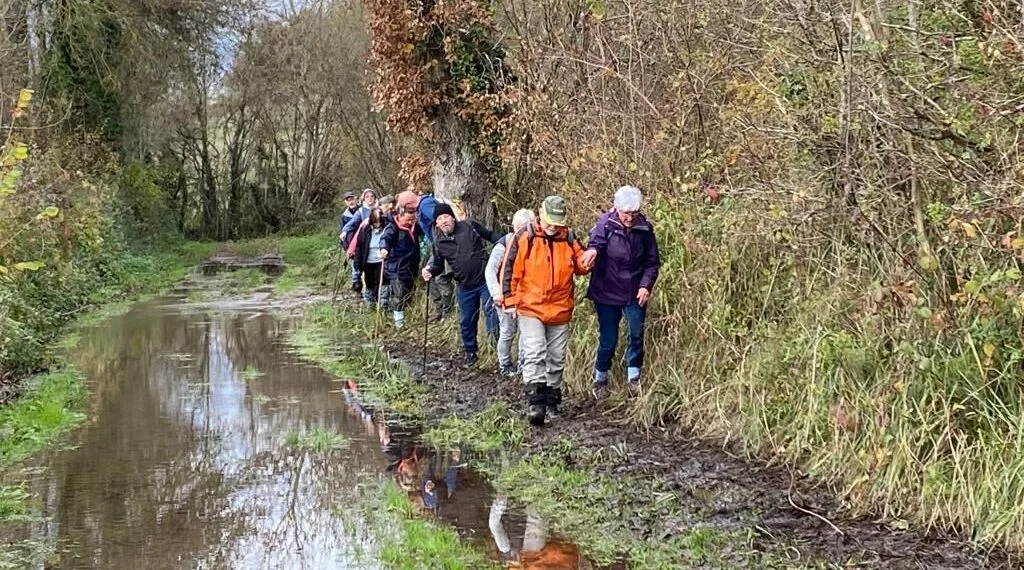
x=364 y=251
x=400 y=250
x=624 y=252
x=351 y=211
x=441 y=289
x=462 y=246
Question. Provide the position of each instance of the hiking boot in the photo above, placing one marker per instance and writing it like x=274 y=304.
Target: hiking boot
x=600 y=391
x=536 y=397
x=633 y=386
x=469 y=360
x=552 y=403
x=535 y=415
x=508 y=371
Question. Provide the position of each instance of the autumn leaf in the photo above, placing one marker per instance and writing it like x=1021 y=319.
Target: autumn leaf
x=28 y=265
x=20 y=151
x=24 y=97
x=49 y=213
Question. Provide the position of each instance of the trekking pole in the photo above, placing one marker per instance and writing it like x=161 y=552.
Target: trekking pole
x=380 y=301
x=426 y=326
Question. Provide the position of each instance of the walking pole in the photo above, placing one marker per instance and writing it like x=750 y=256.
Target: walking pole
x=426 y=326
x=380 y=298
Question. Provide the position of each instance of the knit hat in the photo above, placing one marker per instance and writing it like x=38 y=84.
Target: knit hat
x=441 y=209
x=552 y=211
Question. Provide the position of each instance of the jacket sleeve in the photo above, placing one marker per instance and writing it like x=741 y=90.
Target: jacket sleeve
x=577 y=254
x=354 y=247
x=493 y=267
x=353 y=244
x=598 y=237
x=652 y=264
x=387 y=237
x=353 y=223
x=485 y=233
x=436 y=263
x=514 y=264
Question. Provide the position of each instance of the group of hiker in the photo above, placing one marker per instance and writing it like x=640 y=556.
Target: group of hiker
x=521 y=281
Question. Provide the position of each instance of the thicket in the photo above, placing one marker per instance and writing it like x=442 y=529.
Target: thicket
x=837 y=192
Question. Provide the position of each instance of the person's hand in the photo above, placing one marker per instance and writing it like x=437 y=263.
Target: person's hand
x=426 y=274
x=499 y=301
x=588 y=258
x=643 y=295
x=383 y=253
x=351 y=254
x=341 y=237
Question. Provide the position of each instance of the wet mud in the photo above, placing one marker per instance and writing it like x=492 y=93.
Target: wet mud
x=791 y=519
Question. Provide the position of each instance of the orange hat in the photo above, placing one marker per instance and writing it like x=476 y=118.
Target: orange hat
x=407 y=200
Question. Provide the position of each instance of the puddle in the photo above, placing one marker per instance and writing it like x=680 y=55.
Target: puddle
x=184 y=461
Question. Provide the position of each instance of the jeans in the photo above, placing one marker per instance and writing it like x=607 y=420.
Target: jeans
x=470 y=301
x=543 y=351
x=608 y=318
x=357 y=279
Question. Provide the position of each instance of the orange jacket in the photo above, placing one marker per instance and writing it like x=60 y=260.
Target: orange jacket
x=537 y=274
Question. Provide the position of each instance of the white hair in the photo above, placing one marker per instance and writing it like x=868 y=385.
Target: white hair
x=628 y=199
x=521 y=218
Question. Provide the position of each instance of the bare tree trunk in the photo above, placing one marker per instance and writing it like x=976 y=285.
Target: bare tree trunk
x=457 y=172
x=207 y=184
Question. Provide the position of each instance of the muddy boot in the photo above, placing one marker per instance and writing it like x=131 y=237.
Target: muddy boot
x=469 y=360
x=553 y=404
x=536 y=395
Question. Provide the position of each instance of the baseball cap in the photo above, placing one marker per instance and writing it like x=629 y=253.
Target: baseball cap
x=349 y=195
x=552 y=211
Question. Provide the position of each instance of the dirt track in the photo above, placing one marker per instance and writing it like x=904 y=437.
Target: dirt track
x=793 y=520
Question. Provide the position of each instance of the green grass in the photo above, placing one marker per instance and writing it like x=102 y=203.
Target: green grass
x=409 y=541
x=290 y=281
x=243 y=280
x=251 y=373
x=491 y=430
x=47 y=410
x=13 y=503
x=320 y=338
x=317 y=440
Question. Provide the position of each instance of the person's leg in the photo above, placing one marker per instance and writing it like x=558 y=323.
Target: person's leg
x=401 y=292
x=357 y=281
x=533 y=337
x=608 y=317
x=635 y=318
x=490 y=313
x=557 y=339
x=507 y=330
x=469 y=314
x=371 y=281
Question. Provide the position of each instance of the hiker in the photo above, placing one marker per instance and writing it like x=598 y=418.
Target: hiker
x=400 y=250
x=624 y=253
x=537 y=281
x=346 y=215
x=386 y=204
x=440 y=289
x=506 y=316
x=364 y=251
x=367 y=204
x=461 y=245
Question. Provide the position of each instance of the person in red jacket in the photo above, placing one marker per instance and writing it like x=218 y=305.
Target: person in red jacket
x=537 y=280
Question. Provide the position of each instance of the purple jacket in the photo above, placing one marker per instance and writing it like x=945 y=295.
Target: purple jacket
x=627 y=260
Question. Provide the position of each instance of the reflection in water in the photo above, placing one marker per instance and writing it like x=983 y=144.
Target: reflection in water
x=183 y=465
x=535 y=551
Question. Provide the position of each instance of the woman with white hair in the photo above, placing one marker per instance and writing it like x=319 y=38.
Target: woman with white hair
x=624 y=252
x=506 y=317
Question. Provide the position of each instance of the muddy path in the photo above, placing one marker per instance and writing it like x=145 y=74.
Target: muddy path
x=210 y=444
x=790 y=519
